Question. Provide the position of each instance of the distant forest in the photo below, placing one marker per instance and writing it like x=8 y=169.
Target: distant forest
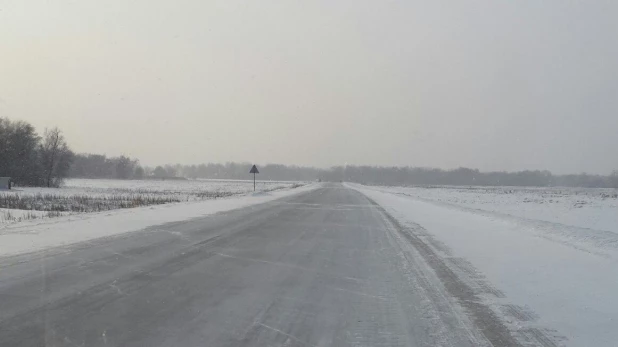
x=98 y=166
x=34 y=160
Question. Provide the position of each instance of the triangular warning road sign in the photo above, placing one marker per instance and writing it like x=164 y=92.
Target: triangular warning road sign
x=254 y=170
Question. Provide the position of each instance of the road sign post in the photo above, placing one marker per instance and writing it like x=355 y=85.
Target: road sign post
x=254 y=170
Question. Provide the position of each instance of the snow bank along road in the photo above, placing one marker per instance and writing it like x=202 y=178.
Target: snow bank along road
x=548 y=280
x=34 y=235
x=325 y=267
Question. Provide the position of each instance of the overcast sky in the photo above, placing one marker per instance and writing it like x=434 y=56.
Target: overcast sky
x=493 y=84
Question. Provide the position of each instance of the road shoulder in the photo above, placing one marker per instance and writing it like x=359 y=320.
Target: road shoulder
x=501 y=322
x=32 y=236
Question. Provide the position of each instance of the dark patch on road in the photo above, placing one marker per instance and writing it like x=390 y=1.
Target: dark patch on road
x=520 y=313
x=536 y=337
x=479 y=283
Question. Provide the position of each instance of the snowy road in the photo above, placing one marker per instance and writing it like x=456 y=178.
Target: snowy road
x=326 y=267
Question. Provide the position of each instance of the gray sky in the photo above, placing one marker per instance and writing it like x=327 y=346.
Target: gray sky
x=494 y=84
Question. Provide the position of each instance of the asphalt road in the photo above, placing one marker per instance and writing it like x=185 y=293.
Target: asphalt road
x=322 y=268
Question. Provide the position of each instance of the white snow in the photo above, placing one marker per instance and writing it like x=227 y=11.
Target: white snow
x=185 y=189
x=78 y=196
x=13 y=215
x=579 y=207
x=35 y=235
x=562 y=268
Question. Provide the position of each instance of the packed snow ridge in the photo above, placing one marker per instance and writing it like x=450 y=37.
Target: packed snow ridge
x=545 y=260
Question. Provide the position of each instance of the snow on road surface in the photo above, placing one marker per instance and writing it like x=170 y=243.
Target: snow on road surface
x=323 y=268
x=551 y=279
x=35 y=235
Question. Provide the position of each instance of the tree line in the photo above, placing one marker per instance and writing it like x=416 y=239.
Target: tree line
x=87 y=165
x=100 y=166
x=45 y=161
x=240 y=171
x=33 y=160
x=30 y=159
x=399 y=176
x=404 y=176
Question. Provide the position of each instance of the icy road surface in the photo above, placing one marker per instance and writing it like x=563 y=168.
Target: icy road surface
x=325 y=267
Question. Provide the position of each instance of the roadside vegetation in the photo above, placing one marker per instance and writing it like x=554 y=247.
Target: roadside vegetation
x=91 y=195
x=32 y=160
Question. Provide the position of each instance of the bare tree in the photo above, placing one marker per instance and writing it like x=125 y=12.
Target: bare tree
x=125 y=167
x=159 y=172
x=138 y=173
x=56 y=157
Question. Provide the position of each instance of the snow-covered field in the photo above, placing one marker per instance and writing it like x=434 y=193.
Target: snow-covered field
x=578 y=207
x=545 y=260
x=9 y=215
x=95 y=195
x=181 y=189
x=37 y=234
